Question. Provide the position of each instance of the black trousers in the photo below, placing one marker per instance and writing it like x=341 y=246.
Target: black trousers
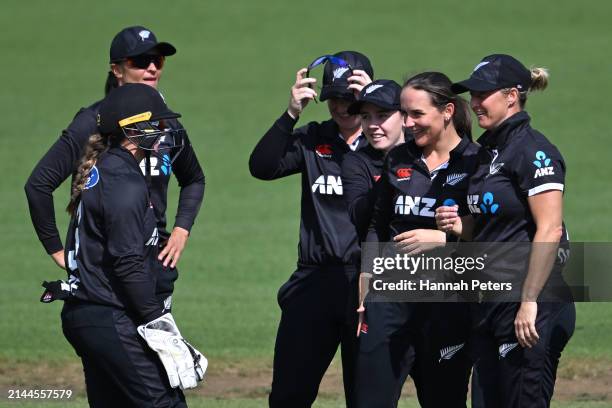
x=318 y=313
x=509 y=375
x=120 y=369
x=427 y=341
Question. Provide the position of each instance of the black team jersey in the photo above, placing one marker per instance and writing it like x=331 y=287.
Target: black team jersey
x=111 y=246
x=409 y=193
x=361 y=172
x=327 y=236
x=515 y=162
x=62 y=159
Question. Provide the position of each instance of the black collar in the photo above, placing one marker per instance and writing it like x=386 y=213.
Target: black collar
x=331 y=132
x=455 y=153
x=498 y=137
x=125 y=154
x=373 y=153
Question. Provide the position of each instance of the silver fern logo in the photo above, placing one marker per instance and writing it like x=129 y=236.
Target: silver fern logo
x=338 y=72
x=372 y=88
x=144 y=34
x=168 y=303
x=453 y=179
x=494 y=168
x=482 y=64
x=448 y=352
x=505 y=348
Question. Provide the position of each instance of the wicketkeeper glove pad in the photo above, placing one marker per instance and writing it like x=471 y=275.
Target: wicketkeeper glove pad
x=184 y=364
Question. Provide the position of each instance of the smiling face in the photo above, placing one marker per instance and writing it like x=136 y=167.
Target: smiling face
x=338 y=111
x=494 y=107
x=382 y=128
x=424 y=120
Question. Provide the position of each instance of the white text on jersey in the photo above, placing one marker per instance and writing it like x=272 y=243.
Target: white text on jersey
x=405 y=205
x=328 y=185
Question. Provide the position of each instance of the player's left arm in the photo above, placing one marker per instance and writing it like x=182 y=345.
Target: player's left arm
x=190 y=177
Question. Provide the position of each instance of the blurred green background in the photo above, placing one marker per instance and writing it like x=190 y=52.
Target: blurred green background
x=230 y=79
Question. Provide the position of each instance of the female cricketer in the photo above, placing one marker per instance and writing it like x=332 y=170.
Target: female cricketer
x=515 y=196
x=318 y=301
x=135 y=57
x=378 y=106
x=426 y=340
x=111 y=253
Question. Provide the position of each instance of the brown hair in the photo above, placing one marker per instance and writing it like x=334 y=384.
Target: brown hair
x=95 y=146
x=438 y=86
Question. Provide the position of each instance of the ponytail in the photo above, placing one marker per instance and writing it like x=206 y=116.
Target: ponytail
x=462 y=118
x=111 y=83
x=539 y=82
x=95 y=146
x=438 y=86
x=539 y=79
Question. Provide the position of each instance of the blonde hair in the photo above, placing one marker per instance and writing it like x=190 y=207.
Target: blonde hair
x=95 y=146
x=539 y=82
x=539 y=79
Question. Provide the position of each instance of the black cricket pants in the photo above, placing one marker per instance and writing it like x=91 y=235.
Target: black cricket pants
x=120 y=369
x=318 y=306
x=509 y=375
x=427 y=341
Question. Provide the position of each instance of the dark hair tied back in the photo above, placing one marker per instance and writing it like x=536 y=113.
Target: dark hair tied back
x=438 y=86
x=111 y=83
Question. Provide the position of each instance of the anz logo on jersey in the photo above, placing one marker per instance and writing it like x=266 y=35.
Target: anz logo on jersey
x=543 y=165
x=154 y=238
x=421 y=206
x=157 y=168
x=327 y=185
x=487 y=206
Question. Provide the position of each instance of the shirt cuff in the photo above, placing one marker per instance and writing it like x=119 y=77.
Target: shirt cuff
x=545 y=187
x=286 y=122
x=52 y=244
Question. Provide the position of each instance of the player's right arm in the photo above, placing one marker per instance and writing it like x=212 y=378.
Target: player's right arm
x=50 y=172
x=358 y=194
x=125 y=202
x=278 y=153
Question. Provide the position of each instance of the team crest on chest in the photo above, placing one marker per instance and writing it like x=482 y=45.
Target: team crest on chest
x=454 y=179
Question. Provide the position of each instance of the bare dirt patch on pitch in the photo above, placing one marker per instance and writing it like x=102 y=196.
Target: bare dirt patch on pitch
x=577 y=379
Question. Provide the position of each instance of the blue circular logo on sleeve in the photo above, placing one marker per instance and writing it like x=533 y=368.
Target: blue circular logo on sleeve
x=93 y=178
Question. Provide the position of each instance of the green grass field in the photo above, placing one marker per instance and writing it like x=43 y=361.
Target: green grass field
x=230 y=79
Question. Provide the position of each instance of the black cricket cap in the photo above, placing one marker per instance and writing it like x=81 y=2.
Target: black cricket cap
x=496 y=71
x=137 y=40
x=383 y=93
x=131 y=103
x=335 y=81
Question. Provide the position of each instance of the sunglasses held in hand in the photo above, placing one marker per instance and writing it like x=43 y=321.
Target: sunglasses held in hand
x=323 y=59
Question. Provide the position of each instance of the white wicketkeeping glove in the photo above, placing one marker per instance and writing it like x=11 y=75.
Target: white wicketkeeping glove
x=184 y=364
